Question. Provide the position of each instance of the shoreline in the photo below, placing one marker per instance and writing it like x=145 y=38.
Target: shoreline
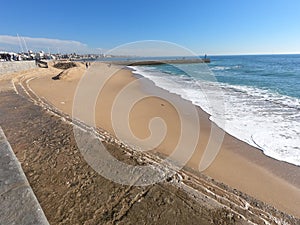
x=245 y=149
x=272 y=174
x=252 y=128
x=281 y=169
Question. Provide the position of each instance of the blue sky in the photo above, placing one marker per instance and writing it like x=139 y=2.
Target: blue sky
x=212 y=27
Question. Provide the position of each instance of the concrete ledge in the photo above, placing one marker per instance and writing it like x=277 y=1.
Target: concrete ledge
x=18 y=204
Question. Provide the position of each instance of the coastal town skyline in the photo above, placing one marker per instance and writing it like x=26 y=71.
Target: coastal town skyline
x=223 y=28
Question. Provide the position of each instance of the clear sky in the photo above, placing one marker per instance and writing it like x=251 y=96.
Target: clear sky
x=210 y=26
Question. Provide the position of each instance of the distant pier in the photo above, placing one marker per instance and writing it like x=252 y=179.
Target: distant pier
x=158 y=62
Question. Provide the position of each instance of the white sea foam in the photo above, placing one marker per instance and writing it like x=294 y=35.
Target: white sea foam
x=220 y=68
x=266 y=120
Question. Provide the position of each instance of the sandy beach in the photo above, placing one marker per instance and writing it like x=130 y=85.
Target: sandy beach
x=135 y=112
x=237 y=165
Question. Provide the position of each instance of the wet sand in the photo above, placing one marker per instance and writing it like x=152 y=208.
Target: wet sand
x=237 y=164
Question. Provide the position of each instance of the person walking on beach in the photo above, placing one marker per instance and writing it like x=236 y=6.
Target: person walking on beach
x=86 y=65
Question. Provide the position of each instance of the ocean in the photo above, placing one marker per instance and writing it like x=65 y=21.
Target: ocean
x=254 y=98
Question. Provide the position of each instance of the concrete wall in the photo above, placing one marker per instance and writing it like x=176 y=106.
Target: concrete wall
x=11 y=67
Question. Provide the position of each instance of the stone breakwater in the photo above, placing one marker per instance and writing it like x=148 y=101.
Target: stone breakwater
x=11 y=67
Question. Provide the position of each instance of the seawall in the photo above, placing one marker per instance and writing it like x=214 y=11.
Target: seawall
x=11 y=67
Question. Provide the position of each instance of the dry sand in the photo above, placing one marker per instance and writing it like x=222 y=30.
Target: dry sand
x=237 y=164
x=71 y=192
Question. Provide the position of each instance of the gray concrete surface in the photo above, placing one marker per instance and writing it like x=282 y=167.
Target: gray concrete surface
x=11 y=67
x=18 y=204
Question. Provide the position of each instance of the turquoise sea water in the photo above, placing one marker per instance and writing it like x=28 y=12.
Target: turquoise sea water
x=257 y=97
x=276 y=73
